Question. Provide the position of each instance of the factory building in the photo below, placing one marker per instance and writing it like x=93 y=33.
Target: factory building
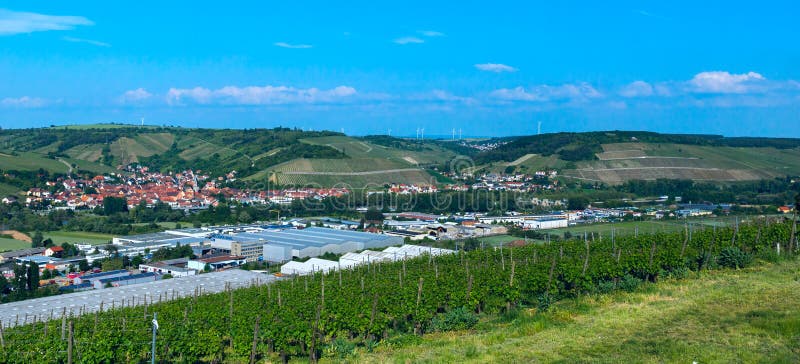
x=545 y=223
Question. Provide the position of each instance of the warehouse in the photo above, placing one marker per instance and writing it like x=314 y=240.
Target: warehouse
x=545 y=223
x=308 y=267
x=124 y=280
x=282 y=245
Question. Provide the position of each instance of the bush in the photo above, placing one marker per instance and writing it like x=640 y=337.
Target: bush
x=457 y=319
x=629 y=283
x=733 y=257
x=543 y=302
x=606 y=286
x=340 y=348
x=679 y=273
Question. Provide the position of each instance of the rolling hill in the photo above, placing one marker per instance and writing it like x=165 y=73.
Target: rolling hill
x=294 y=157
x=616 y=157
x=286 y=156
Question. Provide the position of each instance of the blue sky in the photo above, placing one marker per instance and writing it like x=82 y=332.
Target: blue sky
x=488 y=68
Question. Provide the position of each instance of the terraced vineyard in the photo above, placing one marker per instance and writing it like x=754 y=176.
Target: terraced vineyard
x=620 y=162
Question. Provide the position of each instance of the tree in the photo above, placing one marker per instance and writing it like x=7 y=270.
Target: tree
x=33 y=276
x=792 y=242
x=3 y=284
x=47 y=243
x=83 y=265
x=36 y=239
x=577 y=203
x=113 y=205
x=20 y=278
x=245 y=217
x=374 y=216
x=112 y=264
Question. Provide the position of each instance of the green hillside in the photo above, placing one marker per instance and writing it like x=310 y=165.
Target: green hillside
x=291 y=156
x=744 y=316
x=617 y=157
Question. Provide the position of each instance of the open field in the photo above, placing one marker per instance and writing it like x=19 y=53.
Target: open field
x=80 y=237
x=621 y=162
x=730 y=316
x=355 y=148
x=29 y=161
x=358 y=180
x=6 y=190
x=7 y=244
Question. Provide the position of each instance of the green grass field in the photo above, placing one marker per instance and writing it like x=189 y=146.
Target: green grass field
x=624 y=161
x=7 y=244
x=730 y=316
x=356 y=148
x=79 y=237
x=6 y=190
x=29 y=161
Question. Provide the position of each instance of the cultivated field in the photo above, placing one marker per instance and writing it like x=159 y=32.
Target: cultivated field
x=355 y=148
x=29 y=161
x=625 y=161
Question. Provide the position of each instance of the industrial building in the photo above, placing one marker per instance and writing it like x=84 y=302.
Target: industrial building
x=174 y=267
x=124 y=280
x=217 y=262
x=350 y=260
x=545 y=223
x=280 y=245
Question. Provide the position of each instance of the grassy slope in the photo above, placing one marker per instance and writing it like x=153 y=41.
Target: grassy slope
x=727 y=316
x=731 y=163
x=7 y=244
x=364 y=156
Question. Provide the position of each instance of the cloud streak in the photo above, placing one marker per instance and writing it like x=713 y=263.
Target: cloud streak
x=25 y=102
x=135 y=96
x=408 y=40
x=543 y=93
x=495 y=67
x=292 y=46
x=259 y=95
x=87 y=41
x=430 y=33
x=16 y=22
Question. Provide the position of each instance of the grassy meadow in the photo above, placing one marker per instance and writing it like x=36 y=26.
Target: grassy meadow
x=725 y=316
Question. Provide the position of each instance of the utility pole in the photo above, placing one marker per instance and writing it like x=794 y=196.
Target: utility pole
x=153 y=347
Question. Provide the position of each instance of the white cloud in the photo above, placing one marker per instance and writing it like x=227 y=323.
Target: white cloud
x=257 y=95
x=23 y=102
x=636 y=89
x=292 y=46
x=495 y=67
x=430 y=33
x=16 y=22
x=581 y=91
x=726 y=83
x=87 y=41
x=137 y=95
x=408 y=40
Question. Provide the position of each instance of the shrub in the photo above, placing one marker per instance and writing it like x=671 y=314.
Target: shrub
x=629 y=283
x=606 y=286
x=456 y=319
x=543 y=302
x=679 y=272
x=340 y=348
x=733 y=257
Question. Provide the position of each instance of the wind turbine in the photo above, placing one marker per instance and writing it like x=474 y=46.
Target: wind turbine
x=539 y=129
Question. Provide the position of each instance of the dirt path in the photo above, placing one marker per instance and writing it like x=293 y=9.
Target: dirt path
x=16 y=235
